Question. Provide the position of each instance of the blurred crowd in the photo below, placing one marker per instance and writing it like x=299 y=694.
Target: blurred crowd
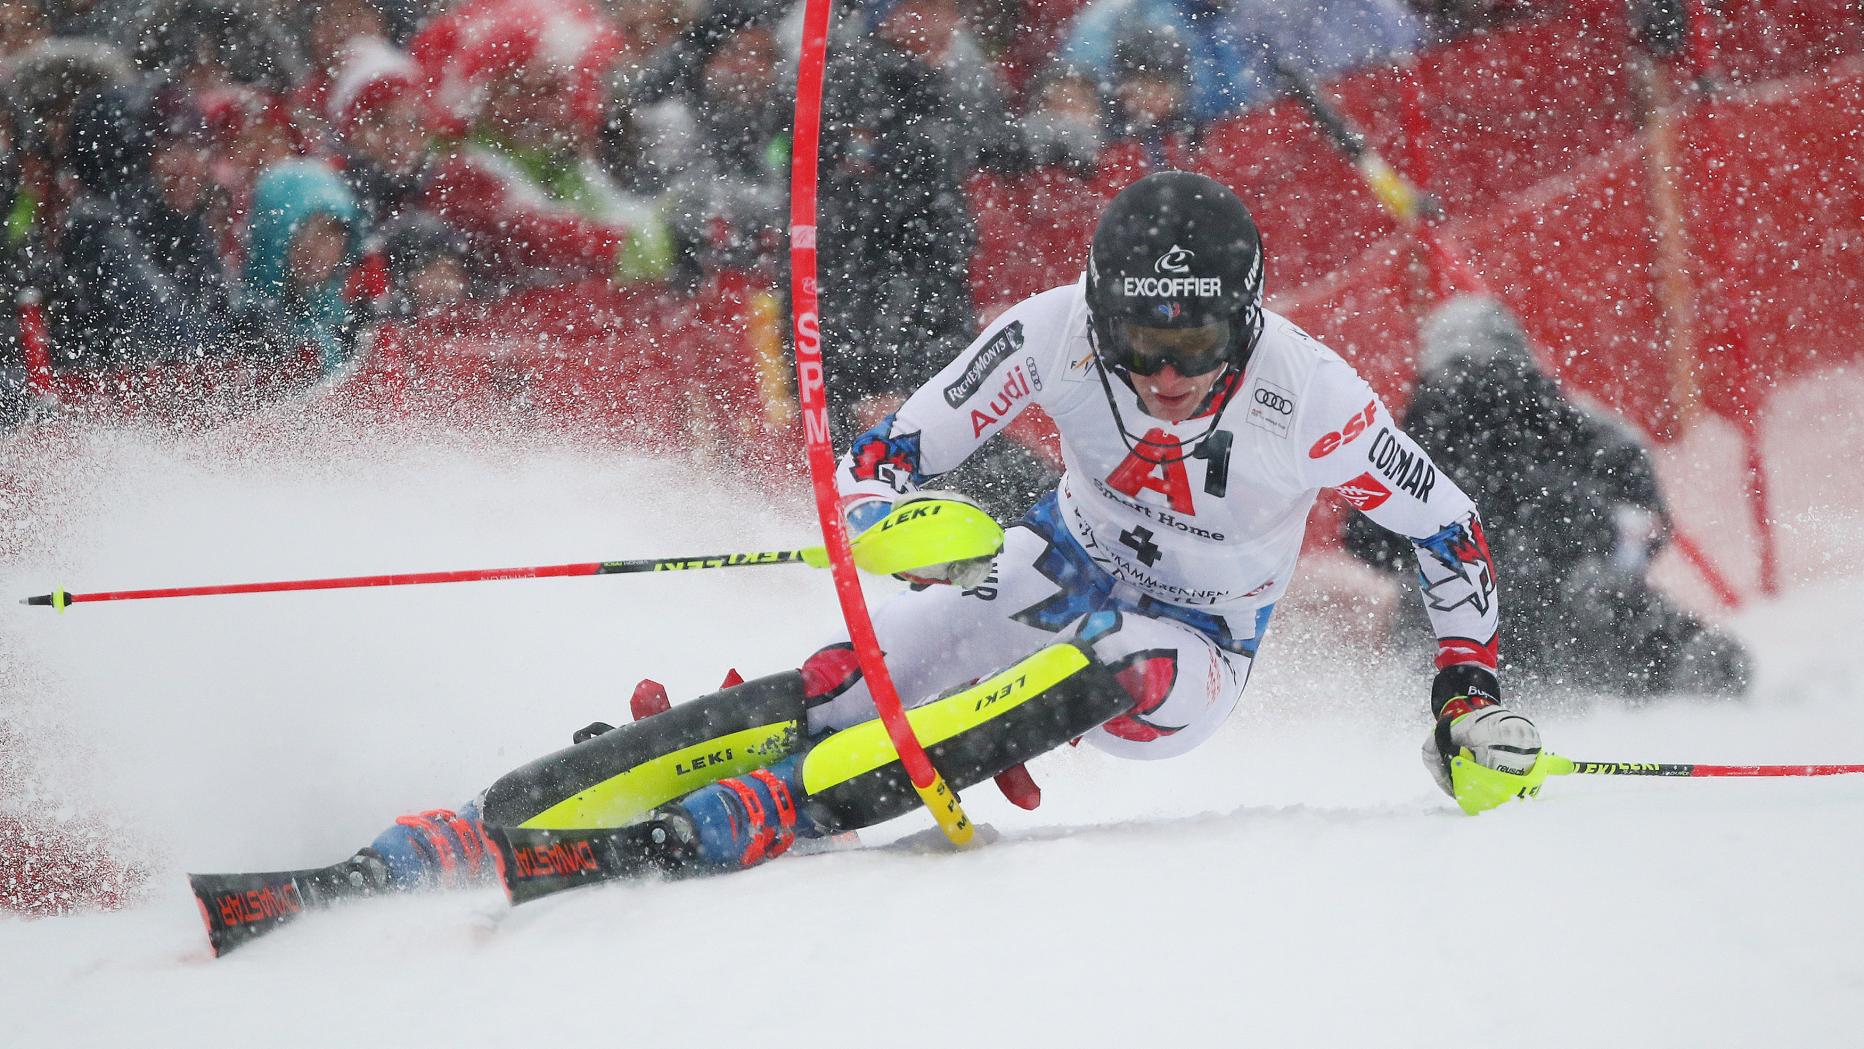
x=189 y=178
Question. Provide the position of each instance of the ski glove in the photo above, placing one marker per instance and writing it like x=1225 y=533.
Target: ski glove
x=964 y=573
x=1470 y=718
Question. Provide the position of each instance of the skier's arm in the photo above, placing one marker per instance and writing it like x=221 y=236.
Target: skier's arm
x=1355 y=448
x=1352 y=445
x=952 y=415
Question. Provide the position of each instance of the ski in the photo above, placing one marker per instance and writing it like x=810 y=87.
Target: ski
x=240 y=908
x=533 y=863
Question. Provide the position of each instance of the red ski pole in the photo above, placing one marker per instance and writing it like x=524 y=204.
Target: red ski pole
x=1479 y=788
x=59 y=599
x=1571 y=767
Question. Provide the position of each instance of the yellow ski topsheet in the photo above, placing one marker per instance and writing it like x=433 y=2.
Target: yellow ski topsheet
x=865 y=747
x=632 y=794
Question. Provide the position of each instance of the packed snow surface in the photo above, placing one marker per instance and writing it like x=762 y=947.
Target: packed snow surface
x=1297 y=881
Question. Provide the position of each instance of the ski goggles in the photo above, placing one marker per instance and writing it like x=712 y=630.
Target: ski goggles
x=1145 y=350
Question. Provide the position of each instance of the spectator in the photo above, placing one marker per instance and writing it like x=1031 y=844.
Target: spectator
x=1234 y=45
x=902 y=135
x=527 y=184
x=465 y=46
x=1228 y=68
x=47 y=85
x=1324 y=38
x=174 y=222
x=111 y=303
x=1064 y=125
x=249 y=132
x=650 y=32
x=1449 y=19
x=1572 y=511
x=652 y=132
x=935 y=33
x=377 y=109
x=13 y=392
x=22 y=26
x=46 y=82
x=1151 y=98
x=305 y=235
x=730 y=196
x=1031 y=34
x=426 y=268
x=204 y=45
x=114 y=22
x=333 y=31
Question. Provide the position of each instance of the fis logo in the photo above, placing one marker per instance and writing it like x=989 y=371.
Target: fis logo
x=1177 y=260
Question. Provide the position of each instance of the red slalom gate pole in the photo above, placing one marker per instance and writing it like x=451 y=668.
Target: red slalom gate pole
x=812 y=394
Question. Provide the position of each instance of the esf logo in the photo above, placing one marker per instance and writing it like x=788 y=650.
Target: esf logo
x=1346 y=434
x=1274 y=402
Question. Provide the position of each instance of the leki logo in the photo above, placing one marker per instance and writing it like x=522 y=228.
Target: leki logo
x=1177 y=260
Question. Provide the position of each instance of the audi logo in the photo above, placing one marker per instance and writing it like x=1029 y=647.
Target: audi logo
x=1274 y=401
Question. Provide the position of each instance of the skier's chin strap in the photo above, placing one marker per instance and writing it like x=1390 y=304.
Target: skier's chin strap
x=1187 y=450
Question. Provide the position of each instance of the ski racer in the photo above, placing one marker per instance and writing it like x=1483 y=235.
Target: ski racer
x=1125 y=609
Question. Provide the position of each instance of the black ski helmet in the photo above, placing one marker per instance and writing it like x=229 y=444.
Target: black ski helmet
x=1175 y=250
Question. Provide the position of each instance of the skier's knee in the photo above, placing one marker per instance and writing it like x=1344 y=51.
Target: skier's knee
x=832 y=690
